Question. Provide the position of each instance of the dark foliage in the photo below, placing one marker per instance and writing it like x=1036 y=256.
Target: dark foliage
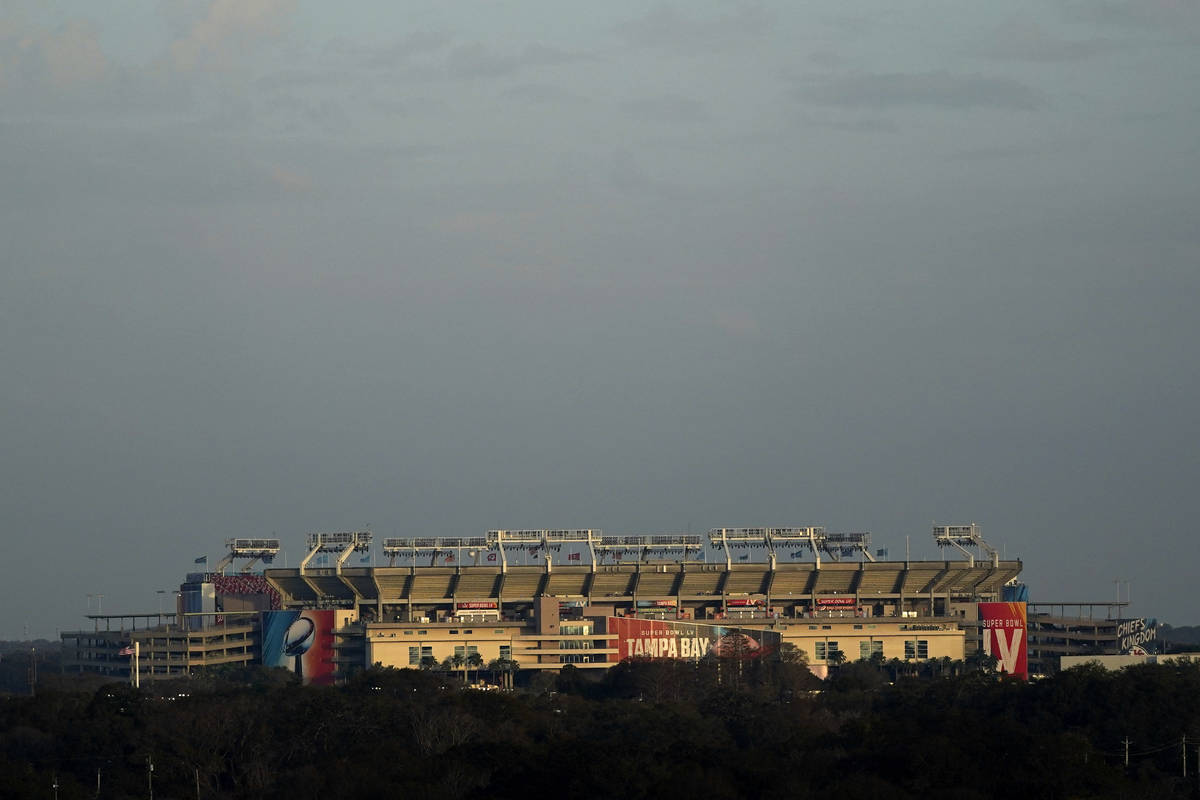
x=643 y=729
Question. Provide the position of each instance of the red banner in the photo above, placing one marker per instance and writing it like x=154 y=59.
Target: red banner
x=1005 y=636
x=843 y=602
x=645 y=638
x=476 y=604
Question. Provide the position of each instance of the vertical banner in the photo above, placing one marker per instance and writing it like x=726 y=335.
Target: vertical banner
x=300 y=641
x=1005 y=636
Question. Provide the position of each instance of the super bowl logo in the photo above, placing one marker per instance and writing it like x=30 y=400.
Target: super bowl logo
x=299 y=637
x=301 y=642
x=1004 y=636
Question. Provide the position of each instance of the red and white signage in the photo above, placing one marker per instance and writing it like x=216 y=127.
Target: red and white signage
x=1005 y=636
x=836 y=602
x=645 y=638
x=474 y=604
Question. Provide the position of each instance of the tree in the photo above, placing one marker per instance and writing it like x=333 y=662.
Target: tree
x=509 y=667
x=981 y=661
x=474 y=661
x=502 y=670
x=790 y=654
x=458 y=661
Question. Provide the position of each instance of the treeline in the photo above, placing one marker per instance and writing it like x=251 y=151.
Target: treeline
x=718 y=729
x=1184 y=636
x=22 y=663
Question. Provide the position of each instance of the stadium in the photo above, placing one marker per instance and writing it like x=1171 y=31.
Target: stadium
x=541 y=599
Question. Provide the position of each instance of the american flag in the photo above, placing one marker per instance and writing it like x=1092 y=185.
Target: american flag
x=572 y=556
x=127 y=650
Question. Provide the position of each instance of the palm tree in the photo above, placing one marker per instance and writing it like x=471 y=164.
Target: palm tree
x=457 y=661
x=506 y=667
x=984 y=662
x=474 y=661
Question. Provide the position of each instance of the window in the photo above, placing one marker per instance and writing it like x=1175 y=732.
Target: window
x=414 y=656
x=452 y=631
x=426 y=652
x=468 y=631
x=858 y=627
x=422 y=633
x=472 y=650
x=825 y=650
x=868 y=649
x=506 y=651
x=460 y=651
x=498 y=630
x=408 y=633
x=918 y=648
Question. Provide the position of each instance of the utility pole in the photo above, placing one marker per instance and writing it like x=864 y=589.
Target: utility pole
x=1127 y=751
x=197 y=783
x=1185 y=755
x=150 y=775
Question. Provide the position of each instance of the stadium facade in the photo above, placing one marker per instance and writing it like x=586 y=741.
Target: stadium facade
x=545 y=599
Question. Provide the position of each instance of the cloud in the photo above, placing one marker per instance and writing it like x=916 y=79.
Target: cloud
x=737 y=322
x=1003 y=152
x=478 y=61
x=665 y=26
x=627 y=174
x=928 y=89
x=542 y=93
x=1181 y=17
x=670 y=108
x=403 y=51
x=226 y=29
x=868 y=125
x=290 y=180
x=1025 y=41
x=64 y=59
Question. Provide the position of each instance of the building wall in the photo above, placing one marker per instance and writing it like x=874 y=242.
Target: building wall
x=389 y=644
x=1121 y=661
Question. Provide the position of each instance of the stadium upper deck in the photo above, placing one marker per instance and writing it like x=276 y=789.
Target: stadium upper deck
x=887 y=588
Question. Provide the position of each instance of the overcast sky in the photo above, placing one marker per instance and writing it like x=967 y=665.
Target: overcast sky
x=272 y=266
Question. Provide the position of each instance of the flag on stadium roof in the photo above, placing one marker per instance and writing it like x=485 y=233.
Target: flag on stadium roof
x=201 y=560
x=125 y=651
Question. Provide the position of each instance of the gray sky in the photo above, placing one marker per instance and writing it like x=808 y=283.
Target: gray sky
x=271 y=266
